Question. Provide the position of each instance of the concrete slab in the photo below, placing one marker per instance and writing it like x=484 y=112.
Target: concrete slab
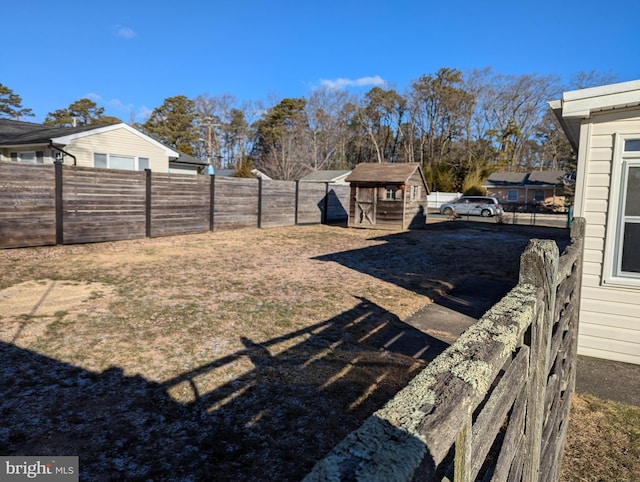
x=609 y=380
x=451 y=314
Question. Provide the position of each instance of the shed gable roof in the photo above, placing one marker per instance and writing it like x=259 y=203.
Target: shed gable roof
x=388 y=172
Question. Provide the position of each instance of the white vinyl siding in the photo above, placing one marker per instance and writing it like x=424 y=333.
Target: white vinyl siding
x=118 y=142
x=609 y=313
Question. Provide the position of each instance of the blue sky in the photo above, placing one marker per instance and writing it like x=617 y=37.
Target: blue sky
x=129 y=56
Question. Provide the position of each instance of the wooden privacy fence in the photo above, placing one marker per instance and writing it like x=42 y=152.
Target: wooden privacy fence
x=495 y=404
x=59 y=204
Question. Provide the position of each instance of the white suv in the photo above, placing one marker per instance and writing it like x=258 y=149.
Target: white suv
x=477 y=205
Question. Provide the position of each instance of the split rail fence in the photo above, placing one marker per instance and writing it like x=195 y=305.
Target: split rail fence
x=58 y=204
x=494 y=406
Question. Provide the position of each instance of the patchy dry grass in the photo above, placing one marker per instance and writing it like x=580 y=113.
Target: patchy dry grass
x=230 y=356
x=603 y=441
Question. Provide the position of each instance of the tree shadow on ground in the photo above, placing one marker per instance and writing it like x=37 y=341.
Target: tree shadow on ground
x=272 y=422
x=463 y=266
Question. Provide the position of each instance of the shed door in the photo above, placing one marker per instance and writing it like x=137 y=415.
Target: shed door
x=365 y=206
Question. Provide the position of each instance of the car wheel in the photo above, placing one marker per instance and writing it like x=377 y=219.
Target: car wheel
x=486 y=213
x=447 y=211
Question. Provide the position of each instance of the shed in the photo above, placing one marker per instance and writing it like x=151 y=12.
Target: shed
x=387 y=196
x=603 y=125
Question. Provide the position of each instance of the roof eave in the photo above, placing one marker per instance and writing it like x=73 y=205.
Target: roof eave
x=577 y=105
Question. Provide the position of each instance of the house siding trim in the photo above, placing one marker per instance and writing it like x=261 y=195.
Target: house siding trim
x=609 y=322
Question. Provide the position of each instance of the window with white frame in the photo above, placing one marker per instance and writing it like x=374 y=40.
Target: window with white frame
x=117 y=161
x=392 y=193
x=622 y=260
x=512 y=195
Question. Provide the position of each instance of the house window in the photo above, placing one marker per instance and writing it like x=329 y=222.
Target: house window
x=622 y=257
x=100 y=160
x=512 y=195
x=628 y=236
x=538 y=196
x=116 y=161
x=29 y=157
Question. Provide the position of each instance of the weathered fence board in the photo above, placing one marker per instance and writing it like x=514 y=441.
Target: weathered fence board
x=338 y=202
x=278 y=206
x=102 y=204
x=312 y=204
x=27 y=205
x=180 y=204
x=494 y=371
x=235 y=203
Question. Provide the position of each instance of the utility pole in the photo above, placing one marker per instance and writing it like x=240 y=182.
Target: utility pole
x=211 y=138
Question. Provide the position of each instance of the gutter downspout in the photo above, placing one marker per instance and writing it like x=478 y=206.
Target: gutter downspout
x=64 y=152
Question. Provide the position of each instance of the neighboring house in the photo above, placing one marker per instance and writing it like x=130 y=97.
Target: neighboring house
x=603 y=125
x=230 y=172
x=387 y=196
x=186 y=164
x=330 y=176
x=540 y=188
x=115 y=146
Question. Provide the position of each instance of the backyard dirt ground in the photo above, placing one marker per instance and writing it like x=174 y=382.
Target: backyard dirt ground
x=241 y=355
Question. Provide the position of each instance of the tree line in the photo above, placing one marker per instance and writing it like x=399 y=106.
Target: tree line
x=459 y=126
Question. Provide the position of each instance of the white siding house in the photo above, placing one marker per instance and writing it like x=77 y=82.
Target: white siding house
x=115 y=146
x=603 y=124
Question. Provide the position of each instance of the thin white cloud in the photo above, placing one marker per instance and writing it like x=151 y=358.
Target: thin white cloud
x=94 y=97
x=121 y=106
x=124 y=32
x=341 y=83
x=144 y=113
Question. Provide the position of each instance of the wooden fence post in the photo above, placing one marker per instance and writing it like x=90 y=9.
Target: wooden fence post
x=259 y=202
x=462 y=459
x=295 y=218
x=212 y=200
x=325 y=213
x=147 y=209
x=539 y=267
x=58 y=202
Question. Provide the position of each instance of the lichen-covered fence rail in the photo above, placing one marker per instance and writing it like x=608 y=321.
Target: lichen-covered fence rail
x=495 y=404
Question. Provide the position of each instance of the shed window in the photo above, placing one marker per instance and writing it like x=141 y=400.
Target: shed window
x=391 y=193
x=415 y=192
